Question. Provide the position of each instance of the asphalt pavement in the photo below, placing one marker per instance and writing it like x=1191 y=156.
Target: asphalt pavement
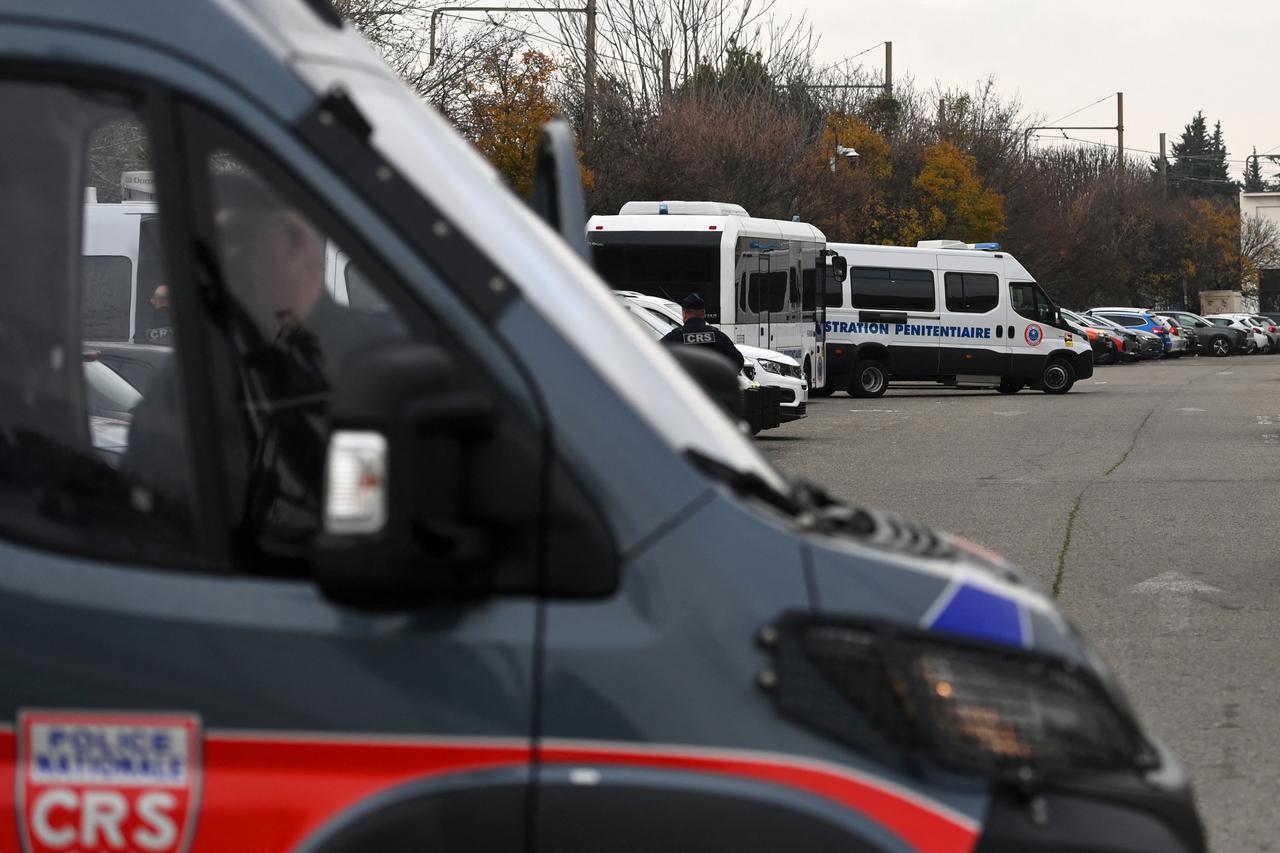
x=1146 y=501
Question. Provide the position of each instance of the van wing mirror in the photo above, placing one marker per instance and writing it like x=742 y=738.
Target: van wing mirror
x=434 y=490
x=405 y=421
x=557 y=185
x=838 y=263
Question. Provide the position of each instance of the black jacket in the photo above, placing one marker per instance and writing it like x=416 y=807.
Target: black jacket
x=699 y=332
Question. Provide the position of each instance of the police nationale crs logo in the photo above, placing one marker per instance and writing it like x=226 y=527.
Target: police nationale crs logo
x=1033 y=335
x=107 y=781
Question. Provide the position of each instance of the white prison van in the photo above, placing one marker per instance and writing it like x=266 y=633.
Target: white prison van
x=761 y=279
x=948 y=312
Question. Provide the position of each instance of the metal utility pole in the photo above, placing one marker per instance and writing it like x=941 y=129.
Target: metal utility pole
x=1164 y=171
x=589 y=84
x=666 y=76
x=1120 y=129
x=888 y=68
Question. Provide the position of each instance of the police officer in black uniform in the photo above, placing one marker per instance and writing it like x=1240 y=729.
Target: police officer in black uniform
x=697 y=331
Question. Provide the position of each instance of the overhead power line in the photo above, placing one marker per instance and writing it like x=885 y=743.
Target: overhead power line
x=1082 y=109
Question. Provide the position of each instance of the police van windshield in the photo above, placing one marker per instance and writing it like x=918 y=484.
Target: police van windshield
x=563 y=290
x=671 y=265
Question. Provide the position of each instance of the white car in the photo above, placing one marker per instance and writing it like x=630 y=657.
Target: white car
x=1261 y=343
x=766 y=366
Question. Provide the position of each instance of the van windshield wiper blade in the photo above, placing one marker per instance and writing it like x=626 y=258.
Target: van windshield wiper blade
x=745 y=482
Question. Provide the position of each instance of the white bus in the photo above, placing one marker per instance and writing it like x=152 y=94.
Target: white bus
x=762 y=279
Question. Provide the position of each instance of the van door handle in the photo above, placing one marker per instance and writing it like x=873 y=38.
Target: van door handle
x=1011 y=331
x=999 y=331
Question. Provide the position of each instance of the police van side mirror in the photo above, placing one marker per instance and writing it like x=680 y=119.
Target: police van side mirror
x=557 y=185
x=403 y=419
x=434 y=489
x=714 y=375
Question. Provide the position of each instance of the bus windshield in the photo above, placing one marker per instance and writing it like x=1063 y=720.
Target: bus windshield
x=668 y=264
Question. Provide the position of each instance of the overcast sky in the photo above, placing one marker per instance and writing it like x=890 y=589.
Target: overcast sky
x=1169 y=58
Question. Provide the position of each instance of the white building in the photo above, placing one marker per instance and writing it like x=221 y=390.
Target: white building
x=1265 y=206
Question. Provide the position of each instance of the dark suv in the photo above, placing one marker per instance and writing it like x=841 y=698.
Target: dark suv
x=1210 y=339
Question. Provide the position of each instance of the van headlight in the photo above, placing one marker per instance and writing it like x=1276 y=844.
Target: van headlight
x=927 y=698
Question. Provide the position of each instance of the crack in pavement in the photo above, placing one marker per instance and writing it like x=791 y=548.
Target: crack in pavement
x=1066 y=544
x=1060 y=574
x=1134 y=441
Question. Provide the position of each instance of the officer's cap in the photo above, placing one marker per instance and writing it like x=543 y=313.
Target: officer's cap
x=694 y=302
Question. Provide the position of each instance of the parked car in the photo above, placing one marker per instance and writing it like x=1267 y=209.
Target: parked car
x=110 y=403
x=1180 y=336
x=1269 y=328
x=136 y=363
x=1125 y=342
x=1132 y=348
x=1146 y=344
x=1258 y=342
x=1104 y=345
x=1212 y=339
x=1142 y=319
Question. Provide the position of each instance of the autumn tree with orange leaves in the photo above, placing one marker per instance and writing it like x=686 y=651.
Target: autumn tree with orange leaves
x=508 y=103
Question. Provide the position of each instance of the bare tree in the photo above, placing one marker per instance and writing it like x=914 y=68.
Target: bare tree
x=1259 y=249
x=401 y=31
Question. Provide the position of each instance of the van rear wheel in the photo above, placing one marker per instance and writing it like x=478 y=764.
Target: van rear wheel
x=1058 y=377
x=869 y=379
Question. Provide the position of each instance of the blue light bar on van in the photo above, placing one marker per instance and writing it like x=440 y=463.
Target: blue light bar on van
x=662 y=209
x=987 y=247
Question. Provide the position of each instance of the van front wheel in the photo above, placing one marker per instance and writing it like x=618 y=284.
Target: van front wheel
x=1058 y=377
x=869 y=379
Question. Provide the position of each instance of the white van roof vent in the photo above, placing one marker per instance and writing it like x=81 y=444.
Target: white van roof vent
x=682 y=208
x=957 y=244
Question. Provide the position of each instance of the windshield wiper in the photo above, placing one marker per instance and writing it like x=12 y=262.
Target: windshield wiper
x=745 y=482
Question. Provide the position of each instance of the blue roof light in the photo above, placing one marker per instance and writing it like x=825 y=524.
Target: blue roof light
x=987 y=247
x=662 y=209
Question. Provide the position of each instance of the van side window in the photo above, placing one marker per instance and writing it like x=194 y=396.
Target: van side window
x=1030 y=301
x=892 y=289
x=972 y=293
x=832 y=288
x=70 y=476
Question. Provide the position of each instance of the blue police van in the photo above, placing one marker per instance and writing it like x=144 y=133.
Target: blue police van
x=474 y=564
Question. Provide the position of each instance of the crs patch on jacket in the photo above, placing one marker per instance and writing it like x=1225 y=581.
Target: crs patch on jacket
x=107 y=781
